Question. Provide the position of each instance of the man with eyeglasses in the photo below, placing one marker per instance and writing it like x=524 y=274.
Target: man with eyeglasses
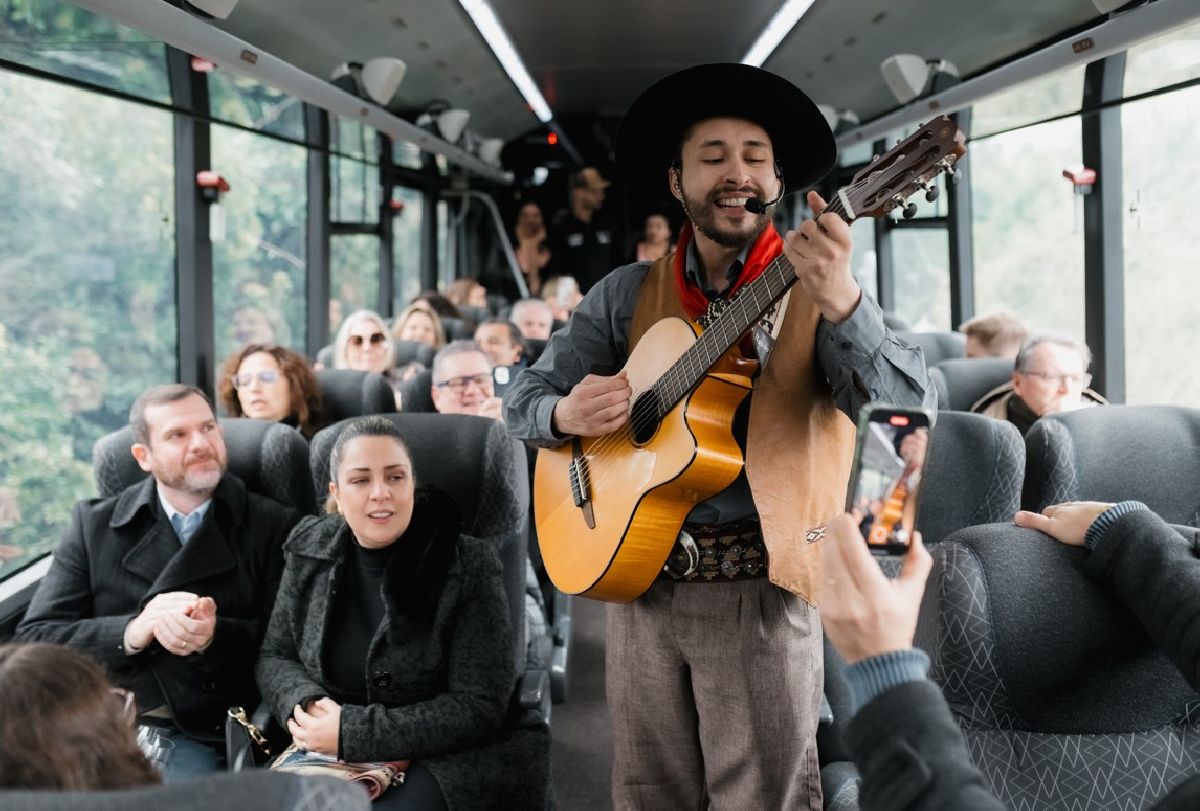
x=462 y=381
x=170 y=583
x=1049 y=377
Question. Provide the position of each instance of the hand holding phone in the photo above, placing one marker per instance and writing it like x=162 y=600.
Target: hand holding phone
x=889 y=459
x=502 y=378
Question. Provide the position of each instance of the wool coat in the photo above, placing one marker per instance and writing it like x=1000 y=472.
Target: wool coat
x=439 y=670
x=118 y=553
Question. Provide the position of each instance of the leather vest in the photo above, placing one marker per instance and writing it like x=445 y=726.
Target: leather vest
x=799 y=446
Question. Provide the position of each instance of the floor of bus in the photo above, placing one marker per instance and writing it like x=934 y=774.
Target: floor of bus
x=582 y=738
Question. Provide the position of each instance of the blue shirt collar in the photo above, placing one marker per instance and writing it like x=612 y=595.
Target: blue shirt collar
x=691 y=269
x=171 y=511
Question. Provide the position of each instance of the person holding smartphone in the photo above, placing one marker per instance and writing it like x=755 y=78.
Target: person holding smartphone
x=871 y=621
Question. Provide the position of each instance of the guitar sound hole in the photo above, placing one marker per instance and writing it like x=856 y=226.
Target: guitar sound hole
x=644 y=417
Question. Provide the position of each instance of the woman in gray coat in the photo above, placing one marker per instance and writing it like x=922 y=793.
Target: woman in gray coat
x=390 y=639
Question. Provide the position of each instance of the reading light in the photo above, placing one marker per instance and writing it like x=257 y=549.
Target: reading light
x=910 y=76
x=485 y=19
x=780 y=25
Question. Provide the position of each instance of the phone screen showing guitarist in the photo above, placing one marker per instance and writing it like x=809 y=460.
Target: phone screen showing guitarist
x=889 y=460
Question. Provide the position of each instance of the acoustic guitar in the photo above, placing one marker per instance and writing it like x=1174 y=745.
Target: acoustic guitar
x=608 y=509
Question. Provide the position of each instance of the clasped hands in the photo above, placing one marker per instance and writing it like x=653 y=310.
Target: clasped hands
x=182 y=622
x=317 y=728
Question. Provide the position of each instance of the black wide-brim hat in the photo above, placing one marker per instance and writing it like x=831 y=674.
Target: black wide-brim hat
x=651 y=131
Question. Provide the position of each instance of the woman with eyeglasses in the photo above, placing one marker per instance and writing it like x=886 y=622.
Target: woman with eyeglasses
x=390 y=638
x=64 y=726
x=363 y=343
x=267 y=382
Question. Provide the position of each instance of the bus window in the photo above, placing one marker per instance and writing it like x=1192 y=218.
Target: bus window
x=1162 y=287
x=921 y=258
x=259 y=271
x=87 y=319
x=407 y=259
x=1028 y=248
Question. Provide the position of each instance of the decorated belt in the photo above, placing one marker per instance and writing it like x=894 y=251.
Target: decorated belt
x=717 y=553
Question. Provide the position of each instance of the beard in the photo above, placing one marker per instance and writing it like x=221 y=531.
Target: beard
x=189 y=480
x=703 y=214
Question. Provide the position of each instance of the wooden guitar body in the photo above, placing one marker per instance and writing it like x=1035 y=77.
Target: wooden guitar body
x=637 y=493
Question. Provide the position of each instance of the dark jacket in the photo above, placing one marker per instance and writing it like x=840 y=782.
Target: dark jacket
x=905 y=742
x=120 y=552
x=440 y=668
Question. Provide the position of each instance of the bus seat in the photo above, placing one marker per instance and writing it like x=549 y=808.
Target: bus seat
x=325 y=357
x=261 y=789
x=1064 y=700
x=534 y=347
x=960 y=382
x=457 y=329
x=484 y=470
x=414 y=351
x=839 y=777
x=415 y=394
x=474 y=316
x=1113 y=453
x=972 y=476
x=269 y=457
x=498 y=305
x=937 y=346
x=352 y=393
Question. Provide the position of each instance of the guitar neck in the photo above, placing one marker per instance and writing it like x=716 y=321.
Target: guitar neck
x=751 y=303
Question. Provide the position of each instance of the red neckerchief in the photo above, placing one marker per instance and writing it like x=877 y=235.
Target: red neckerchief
x=765 y=249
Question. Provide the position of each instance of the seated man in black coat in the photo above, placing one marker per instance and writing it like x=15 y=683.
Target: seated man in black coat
x=871 y=621
x=170 y=583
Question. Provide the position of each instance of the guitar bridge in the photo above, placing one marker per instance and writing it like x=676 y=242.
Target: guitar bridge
x=581 y=483
x=579 y=480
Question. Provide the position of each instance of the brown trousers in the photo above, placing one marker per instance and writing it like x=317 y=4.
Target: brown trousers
x=715 y=691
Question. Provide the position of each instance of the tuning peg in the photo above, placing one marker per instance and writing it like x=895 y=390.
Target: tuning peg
x=931 y=191
x=874 y=158
x=910 y=211
x=955 y=176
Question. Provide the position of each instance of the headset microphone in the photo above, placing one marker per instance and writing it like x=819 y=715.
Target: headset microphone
x=757 y=206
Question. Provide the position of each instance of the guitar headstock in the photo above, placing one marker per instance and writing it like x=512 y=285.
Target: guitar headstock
x=904 y=169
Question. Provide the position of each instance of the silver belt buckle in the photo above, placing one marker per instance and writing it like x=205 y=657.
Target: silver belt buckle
x=684 y=558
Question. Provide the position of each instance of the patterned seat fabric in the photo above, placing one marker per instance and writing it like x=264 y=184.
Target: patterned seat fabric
x=482 y=468
x=255 y=788
x=1064 y=700
x=415 y=394
x=972 y=476
x=269 y=457
x=1113 y=453
x=962 y=381
x=937 y=346
x=350 y=393
x=414 y=352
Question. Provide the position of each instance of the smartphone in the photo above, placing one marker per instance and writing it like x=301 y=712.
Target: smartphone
x=502 y=378
x=889 y=458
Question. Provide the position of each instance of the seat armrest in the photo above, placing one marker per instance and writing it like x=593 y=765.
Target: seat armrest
x=533 y=693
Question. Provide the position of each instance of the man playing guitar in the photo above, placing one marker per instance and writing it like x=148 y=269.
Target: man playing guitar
x=714 y=674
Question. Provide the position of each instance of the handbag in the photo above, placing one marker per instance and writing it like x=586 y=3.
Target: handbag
x=246 y=746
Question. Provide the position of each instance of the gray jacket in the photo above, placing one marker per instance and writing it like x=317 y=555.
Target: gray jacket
x=439 y=669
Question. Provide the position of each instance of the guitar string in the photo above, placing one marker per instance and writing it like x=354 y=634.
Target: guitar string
x=675 y=380
x=647 y=409
x=688 y=366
